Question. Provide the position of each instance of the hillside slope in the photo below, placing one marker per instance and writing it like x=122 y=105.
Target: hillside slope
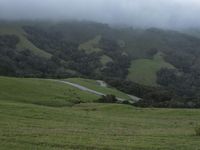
x=53 y=92
x=16 y=29
x=94 y=85
x=42 y=92
x=144 y=71
x=98 y=51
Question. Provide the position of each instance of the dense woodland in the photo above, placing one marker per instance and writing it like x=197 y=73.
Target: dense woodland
x=179 y=87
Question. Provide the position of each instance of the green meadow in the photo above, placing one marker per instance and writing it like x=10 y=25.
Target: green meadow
x=38 y=114
x=144 y=71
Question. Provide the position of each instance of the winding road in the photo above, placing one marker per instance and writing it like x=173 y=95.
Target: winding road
x=134 y=98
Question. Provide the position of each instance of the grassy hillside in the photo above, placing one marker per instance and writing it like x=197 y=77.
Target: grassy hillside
x=83 y=49
x=96 y=126
x=91 y=45
x=30 y=119
x=42 y=92
x=144 y=71
x=94 y=85
x=105 y=59
x=16 y=29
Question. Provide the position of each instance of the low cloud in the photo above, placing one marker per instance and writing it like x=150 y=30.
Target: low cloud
x=140 y=13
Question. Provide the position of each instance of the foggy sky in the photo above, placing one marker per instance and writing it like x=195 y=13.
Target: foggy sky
x=139 y=13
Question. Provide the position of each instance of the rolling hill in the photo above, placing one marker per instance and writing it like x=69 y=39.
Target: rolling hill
x=166 y=60
x=16 y=29
x=42 y=92
x=38 y=114
x=51 y=92
x=160 y=66
x=135 y=43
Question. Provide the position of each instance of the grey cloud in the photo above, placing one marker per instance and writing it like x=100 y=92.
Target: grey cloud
x=140 y=13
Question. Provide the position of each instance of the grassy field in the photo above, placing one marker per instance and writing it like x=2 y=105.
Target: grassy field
x=96 y=127
x=43 y=92
x=15 y=29
x=144 y=70
x=27 y=121
x=94 y=85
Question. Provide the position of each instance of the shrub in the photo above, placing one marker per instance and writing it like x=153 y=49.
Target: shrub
x=126 y=102
x=107 y=99
x=197 y=131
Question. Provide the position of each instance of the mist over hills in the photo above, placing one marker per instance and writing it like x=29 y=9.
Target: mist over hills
x=173 y=14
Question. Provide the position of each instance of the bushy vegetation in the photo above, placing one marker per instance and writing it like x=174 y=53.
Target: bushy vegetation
x=154 y=96
x=184 y=84
x=118 y=68
x=8 y=41
x=67 y=49
x=107 y=99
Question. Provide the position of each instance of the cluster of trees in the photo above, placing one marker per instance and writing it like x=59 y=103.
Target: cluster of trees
x=26 y=64
x=118 y=68
x=8 y=41
x=17 y=62
x=154 y=96
x=65 y=47
x=184 y=85
x=55 y=36
x=184 y=81
x=107 y=99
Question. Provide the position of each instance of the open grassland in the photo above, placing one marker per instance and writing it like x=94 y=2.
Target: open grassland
x=144 y=71
x=43 y=92
x=9 y=29
x=30 y=118
x=94 y=85
x=96 y=127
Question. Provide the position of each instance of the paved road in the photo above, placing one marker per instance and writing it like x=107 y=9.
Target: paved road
x=135 y=98
x=93 y=91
